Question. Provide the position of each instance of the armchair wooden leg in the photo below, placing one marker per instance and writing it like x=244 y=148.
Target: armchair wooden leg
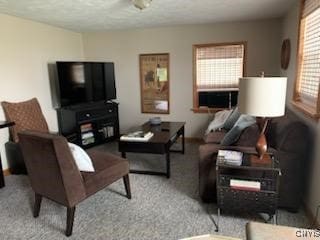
x=127 y=186
x=37 y=204
x=70 y=219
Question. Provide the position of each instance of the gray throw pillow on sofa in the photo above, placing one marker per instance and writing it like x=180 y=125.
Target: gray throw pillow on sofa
x=232 y=119
x=233 y=135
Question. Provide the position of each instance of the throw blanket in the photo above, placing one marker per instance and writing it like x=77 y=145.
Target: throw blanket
x=218 y=121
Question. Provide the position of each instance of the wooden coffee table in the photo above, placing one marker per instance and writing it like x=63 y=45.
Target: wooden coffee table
x=165 y=135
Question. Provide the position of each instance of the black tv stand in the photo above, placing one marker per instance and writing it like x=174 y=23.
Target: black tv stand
x=89 y=124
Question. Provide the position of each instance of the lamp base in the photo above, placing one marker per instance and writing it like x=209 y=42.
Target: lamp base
x=261 y=145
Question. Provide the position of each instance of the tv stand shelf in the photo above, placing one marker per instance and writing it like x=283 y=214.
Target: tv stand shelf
x=90 y=124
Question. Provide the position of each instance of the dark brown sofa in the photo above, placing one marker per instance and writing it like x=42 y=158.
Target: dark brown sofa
x=289 y=139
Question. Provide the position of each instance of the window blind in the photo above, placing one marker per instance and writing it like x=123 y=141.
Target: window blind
x=309 y=54
x=310 y=6
x=219 y=66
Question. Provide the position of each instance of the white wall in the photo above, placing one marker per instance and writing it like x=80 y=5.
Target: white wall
x=26 y=48
x=124 y=46
x=290 y=29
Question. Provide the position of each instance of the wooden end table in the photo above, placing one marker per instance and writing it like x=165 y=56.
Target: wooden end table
x=3 y=124
x=165 y=135
x=267 y=172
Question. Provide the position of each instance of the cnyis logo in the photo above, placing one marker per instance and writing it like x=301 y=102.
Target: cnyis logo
x=307 y=233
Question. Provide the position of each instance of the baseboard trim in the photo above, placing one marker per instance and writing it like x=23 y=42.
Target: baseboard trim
x=311 y=217
x=194 y=140
x=6 y=172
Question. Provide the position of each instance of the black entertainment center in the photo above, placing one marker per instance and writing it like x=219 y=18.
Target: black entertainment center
x=89 y=125
x=87 y=115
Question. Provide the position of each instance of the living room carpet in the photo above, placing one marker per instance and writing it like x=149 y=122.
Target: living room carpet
x=160 y=208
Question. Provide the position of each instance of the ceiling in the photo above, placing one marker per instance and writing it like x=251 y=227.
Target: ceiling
x=100 y=15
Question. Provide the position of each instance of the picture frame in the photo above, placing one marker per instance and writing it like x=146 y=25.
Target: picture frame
x=155 y=83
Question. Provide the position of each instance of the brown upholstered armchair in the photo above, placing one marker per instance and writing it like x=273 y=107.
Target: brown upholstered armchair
x=53 y=173
x=26 y=115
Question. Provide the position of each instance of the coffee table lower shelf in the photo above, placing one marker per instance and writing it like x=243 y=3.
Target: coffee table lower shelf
x=149 y=172
x=165 y=135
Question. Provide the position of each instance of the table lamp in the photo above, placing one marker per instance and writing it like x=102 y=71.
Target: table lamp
x=262 y=97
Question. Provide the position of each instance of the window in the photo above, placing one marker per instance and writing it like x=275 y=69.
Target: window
x=306 y=95
x=217 y=69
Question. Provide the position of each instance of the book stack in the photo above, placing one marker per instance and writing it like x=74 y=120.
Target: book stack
x=110 y=131
x=138 y=136
x=230 y=157
x=86 y=127
x=87 y=136
x=246 y=185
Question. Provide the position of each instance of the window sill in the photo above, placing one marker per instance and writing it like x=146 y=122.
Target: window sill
x=307 y=110
x=207 y=110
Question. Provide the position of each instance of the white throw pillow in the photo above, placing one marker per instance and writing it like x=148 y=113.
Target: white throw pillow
x=218 y=121
x=81 y=158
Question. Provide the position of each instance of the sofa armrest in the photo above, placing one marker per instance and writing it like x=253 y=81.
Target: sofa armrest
x=207 y=172
x=292 y=180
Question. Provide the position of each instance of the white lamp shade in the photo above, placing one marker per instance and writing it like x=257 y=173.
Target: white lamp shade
x=262 y=96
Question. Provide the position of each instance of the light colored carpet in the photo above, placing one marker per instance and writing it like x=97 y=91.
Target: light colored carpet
x=161 y=208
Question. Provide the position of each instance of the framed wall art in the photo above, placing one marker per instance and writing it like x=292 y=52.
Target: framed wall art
x=154 y=83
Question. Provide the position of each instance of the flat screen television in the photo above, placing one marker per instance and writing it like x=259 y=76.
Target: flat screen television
x=85 y=82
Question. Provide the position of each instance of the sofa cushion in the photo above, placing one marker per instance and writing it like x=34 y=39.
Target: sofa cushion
x=232 y=119
x=249 y=136
x=214 y=137
x=233 y=135
x=26 y=116
x=108 y=168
